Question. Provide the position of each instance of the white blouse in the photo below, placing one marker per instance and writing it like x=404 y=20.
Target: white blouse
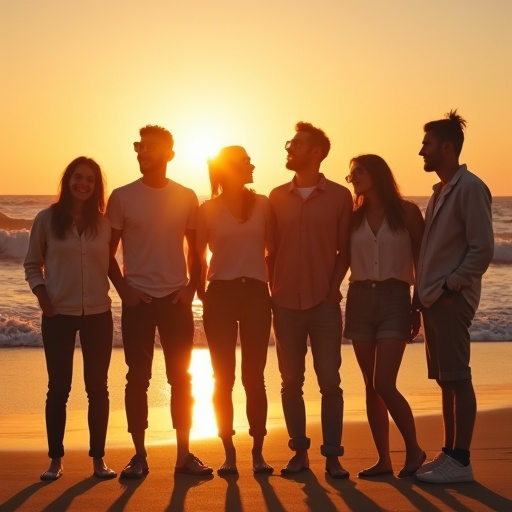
x=73 y=270
x=386 y=255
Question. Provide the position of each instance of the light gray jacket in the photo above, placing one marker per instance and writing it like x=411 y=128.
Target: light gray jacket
x=458 y=243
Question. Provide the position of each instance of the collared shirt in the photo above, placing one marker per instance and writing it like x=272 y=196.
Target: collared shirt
x=307 y=234
x=458 y=242
x=73 y=270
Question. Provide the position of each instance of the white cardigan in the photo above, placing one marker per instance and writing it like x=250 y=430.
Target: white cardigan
x=74 y=269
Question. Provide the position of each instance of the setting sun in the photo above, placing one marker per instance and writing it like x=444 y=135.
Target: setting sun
x=198 y=147
x=219 y=76
x=160 y=430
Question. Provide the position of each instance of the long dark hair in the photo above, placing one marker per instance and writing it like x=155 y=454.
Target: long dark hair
x=217 y=173
x=386 y=189
x=94 y=207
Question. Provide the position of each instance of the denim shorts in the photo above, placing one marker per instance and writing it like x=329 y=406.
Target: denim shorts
x=378 y=310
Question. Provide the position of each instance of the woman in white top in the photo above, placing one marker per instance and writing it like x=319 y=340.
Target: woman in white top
x=233 y=224
x=379 y=319
x=66 y=267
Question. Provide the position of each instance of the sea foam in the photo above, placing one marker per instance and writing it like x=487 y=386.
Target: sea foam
x=15 y=332
x=13 y=244
x=502 y=251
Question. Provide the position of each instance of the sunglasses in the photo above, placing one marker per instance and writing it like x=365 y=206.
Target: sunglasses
x=293 y=144
x=354 y=174
x=139 y=147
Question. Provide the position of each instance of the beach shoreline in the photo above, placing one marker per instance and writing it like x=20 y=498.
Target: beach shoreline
x=23 y=444
x=311 y=490
x=22 y=423
x=20 y=315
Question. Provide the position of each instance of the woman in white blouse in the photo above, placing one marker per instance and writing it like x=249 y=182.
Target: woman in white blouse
x=233 y=224
x=379 y=319
x=66 y=267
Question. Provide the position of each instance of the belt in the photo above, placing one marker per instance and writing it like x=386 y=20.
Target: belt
x=368 y=283
x=239 y=280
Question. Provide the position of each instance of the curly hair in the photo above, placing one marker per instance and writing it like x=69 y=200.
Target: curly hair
x=317 y=137
x=158 y=131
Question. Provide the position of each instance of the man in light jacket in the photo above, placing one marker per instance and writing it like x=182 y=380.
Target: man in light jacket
x=457 y=248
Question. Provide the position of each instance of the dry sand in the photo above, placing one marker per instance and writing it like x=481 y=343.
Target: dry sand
x=312 y=490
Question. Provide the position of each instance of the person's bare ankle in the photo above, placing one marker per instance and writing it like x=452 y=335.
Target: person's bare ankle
x=55 y=465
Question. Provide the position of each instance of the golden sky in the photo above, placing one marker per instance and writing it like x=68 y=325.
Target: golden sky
x=80 y=77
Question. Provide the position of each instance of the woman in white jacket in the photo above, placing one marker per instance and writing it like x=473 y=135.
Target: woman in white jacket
x=66 y=267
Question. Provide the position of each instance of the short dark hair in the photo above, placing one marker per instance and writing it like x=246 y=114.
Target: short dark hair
x=158 y=131
x=316 y=136
x=450 y=129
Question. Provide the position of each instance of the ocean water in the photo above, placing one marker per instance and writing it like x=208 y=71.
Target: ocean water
x=20 y=315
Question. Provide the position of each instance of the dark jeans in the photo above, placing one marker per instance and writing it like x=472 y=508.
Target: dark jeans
x=175 y=326
x=240 y=304
x=59 y=333
x=323 y=325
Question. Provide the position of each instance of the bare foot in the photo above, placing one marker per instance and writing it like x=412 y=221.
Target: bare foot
x=299 y=462
x=230 y=457
x=259 y=466
x=334 y=468
x=227 y=469
x=412 y=464
x=101 y=470
x=378 y=469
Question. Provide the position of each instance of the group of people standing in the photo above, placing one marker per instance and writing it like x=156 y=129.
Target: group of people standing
x=278 y=260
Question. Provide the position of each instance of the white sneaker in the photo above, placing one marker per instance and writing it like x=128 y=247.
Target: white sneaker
x=431 y=464
x=449 y=472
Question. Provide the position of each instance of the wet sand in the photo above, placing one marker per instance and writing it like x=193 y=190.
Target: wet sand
x=23 y=445
x=312 y=490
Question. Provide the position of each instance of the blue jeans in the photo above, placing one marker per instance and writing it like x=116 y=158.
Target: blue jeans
x=175 y=326
x=243 y=305
x=323 y=325
x=59 y=333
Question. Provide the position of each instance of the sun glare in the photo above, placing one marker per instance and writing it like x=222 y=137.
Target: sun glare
x=197 y=148
x=209 y=145
x=204 y=424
